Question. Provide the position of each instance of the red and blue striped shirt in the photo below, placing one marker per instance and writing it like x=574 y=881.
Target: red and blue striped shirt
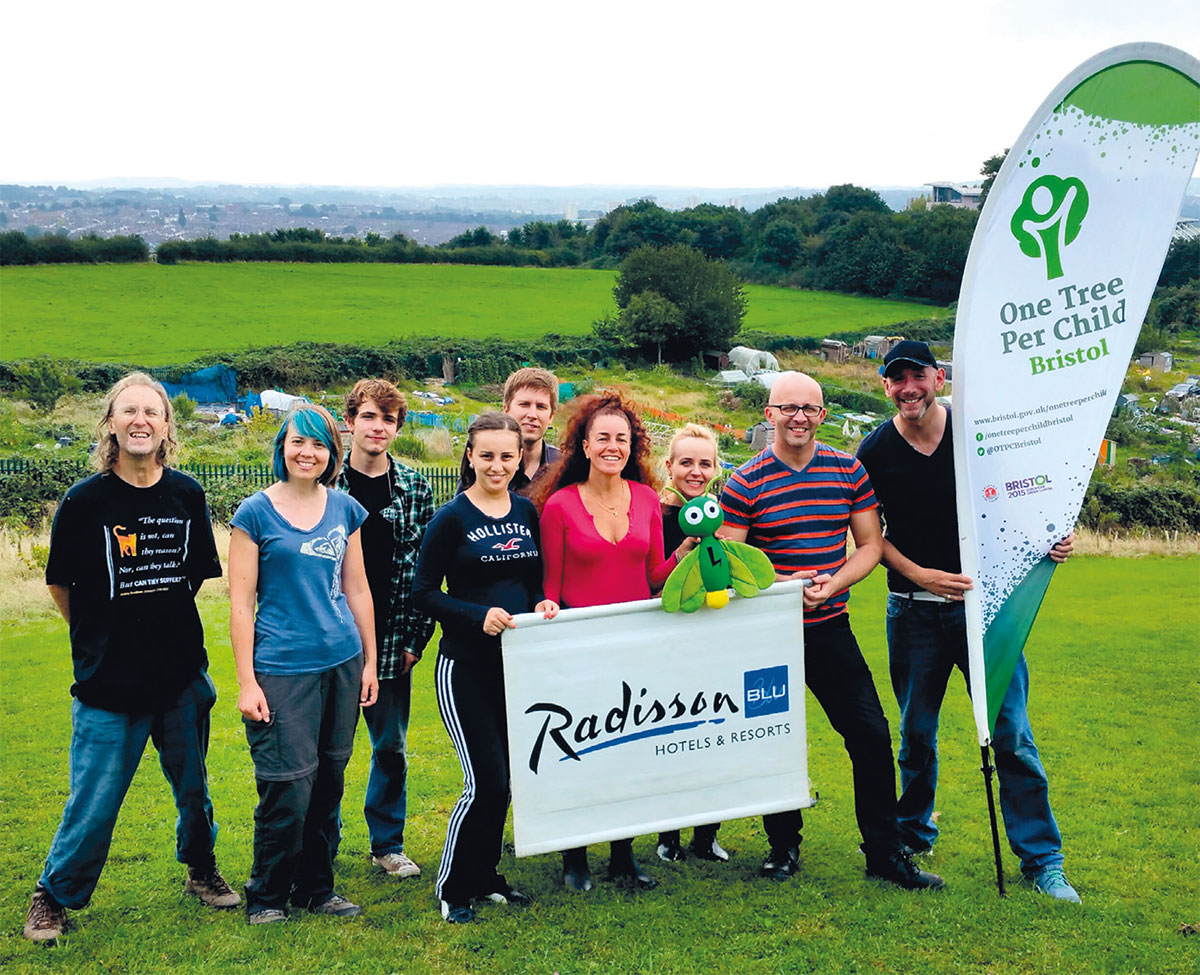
x=800 y=518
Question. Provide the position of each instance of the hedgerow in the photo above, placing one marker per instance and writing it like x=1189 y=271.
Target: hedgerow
x=1170 y=507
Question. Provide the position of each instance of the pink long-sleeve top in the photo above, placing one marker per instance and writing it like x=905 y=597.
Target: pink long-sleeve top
x=585 y=569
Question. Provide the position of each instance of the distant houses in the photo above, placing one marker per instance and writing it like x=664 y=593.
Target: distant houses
x=956 y=195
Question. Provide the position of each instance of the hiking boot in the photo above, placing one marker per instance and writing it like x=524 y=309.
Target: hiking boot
x=780 y=863
x=268 y=915
x=457 y=913
x=397 y=865
x=47 y=918
x=212 y=889
x=899 y=869
x=1052 y=882
x=336 y=906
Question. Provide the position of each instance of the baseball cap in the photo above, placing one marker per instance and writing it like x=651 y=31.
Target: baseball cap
x=908 y=352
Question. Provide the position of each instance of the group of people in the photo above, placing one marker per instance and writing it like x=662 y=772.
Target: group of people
x=339 y=570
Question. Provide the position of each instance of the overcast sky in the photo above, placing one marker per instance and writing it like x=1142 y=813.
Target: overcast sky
x=401 y=93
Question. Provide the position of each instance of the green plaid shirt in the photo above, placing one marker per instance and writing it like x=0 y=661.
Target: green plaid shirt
x=409 y=514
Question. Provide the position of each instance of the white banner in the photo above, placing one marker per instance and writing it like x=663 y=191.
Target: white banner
x=625 y=720
x=1062 y=266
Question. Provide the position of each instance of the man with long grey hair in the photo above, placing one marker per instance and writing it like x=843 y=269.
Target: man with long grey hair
x=130 y=547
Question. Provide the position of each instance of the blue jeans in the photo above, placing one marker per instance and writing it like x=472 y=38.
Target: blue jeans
x=926 y=641
x=386 y=804
x=106 y=748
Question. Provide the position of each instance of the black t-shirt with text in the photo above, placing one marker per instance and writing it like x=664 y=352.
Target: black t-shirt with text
x=133 y=559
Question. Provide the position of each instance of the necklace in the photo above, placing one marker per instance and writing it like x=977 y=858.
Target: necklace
x=607 y=507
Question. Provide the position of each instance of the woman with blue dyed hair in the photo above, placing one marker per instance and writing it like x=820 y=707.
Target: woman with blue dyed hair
x=305 y=662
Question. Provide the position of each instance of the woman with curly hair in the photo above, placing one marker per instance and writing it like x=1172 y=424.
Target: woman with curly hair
x=602 y=542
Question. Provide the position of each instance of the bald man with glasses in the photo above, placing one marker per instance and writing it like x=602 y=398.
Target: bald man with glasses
x=796 y=500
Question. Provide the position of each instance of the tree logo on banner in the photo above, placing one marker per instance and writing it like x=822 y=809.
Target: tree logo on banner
x=1049 y=218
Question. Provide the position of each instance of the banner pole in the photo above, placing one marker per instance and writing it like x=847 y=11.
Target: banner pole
x=987 y=771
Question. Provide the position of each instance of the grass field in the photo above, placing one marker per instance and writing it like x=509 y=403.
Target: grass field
x=157 y=315
x=1114 y=703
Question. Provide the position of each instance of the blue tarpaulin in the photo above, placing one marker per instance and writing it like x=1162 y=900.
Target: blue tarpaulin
x=214 y=384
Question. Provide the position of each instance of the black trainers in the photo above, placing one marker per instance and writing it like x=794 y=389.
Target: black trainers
x=899 y=869
x=709 y=850
x=457 y=913
x=212 y=889
x=781 y=863
x=575 y=870
x=669 y=847
x=509 y=895
x=670 y=851
x=624 y=869
x=46 y=919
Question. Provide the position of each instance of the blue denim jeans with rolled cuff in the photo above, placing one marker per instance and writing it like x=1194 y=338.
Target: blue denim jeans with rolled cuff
x=926 y=641
x=386 y=804
x=106 y=748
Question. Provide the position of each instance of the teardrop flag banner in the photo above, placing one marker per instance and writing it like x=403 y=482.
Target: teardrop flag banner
x=1062 y=266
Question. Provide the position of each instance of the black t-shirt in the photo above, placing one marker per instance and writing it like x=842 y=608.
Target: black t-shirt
x=133 y=559
x=378 y=538
x=917 y=499
x=673 y=535
x=486 y=562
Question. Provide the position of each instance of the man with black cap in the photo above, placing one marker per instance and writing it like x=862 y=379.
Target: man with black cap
x=910 y=461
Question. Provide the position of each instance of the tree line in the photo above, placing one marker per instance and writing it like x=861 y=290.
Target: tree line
x=18 y=248
x=846 y=239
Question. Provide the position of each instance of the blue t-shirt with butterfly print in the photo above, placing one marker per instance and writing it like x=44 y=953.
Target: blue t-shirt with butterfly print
x=303 y=624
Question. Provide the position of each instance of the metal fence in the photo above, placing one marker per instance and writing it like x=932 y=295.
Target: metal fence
x=443 y=480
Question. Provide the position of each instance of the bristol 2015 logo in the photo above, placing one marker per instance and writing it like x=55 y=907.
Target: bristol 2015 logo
x=766 y=691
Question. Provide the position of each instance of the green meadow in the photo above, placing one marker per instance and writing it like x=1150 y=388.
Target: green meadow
x=1114 y=704
x=170 y=314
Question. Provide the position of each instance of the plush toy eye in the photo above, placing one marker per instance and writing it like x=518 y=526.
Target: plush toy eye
x=711 y=508
x=693 y=516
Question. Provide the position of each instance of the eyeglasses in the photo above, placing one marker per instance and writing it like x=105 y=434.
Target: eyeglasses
x=791 y=409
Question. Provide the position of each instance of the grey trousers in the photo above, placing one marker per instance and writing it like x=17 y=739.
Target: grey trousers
x=300 y=757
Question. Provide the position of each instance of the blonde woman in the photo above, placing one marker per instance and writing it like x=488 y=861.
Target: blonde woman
x=691 y=465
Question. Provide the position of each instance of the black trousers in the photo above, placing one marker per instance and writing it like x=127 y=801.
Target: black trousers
x=838 y=676
x=470 y=696
x=300 y=758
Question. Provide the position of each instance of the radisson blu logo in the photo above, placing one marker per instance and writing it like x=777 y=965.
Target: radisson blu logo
x=766 y=691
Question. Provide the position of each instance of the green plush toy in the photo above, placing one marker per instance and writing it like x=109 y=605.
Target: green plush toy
x=708 y=570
